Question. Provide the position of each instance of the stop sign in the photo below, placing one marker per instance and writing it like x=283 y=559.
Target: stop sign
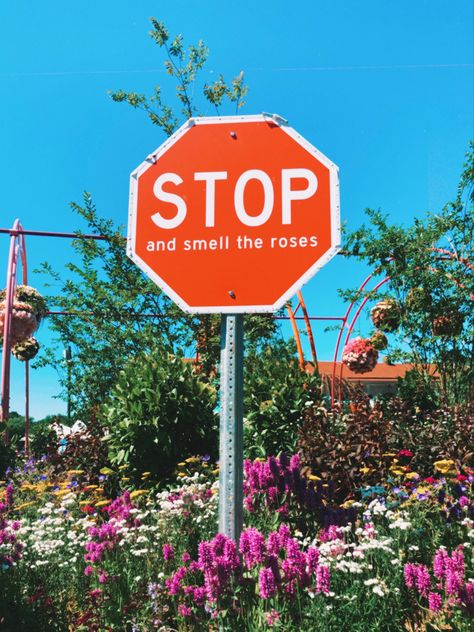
x=233 y=214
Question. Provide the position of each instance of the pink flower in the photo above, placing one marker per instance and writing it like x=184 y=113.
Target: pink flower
x=168 y=552
x=267 y=584
x=322 y=579
x=184 y=611
x=88 y=570
x=435 y=601
x=272 y=617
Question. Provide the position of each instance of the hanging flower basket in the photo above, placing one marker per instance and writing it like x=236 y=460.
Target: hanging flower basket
x=379 y=341
x=26 y=349
x=360 y=356
x=449 y=324
x=23 y=324
x=28 y=294
x=386 y=315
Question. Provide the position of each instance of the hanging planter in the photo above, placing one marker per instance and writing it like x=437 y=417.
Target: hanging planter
x=23 y=322
x=379 y=341
x=28 y=294
x=360 y=356
x=449 y=324
x=386 y=315
x=26 y=349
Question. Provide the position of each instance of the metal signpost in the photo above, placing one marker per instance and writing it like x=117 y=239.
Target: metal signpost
x=231 y=440
x=232 y=215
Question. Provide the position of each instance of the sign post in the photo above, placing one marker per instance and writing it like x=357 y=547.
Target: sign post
x=232 y=215
x=231 y=444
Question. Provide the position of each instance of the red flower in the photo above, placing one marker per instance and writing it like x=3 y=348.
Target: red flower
x=430 y=480
x=407 y=453
x=461 y=478
x=88 y=509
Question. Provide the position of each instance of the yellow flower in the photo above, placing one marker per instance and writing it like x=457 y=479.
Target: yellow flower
x=214 y=491
x=84 y=502
x=181 y=474
x=99 y=490
x=348 y=503
x=23 y=505
x=192 y=459
x=182 y=464
x=365 y=470
x=122 y=467
x=445 y=466
x=398 y=471
x=106 y=471
x=423 y=490
x=125 y=478
x=216 y=471
x=89 y=487
x=146 y=474
x=205 y=465
x=102 y=503
x=412 y=476
x=73 y=472
x=313 y=477
x=138 y=492
x=389 y=454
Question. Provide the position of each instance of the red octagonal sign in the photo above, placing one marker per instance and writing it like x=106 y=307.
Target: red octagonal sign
x=233 y=214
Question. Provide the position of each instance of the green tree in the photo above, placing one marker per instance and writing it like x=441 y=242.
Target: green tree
x=430 y=265
x=117 y=312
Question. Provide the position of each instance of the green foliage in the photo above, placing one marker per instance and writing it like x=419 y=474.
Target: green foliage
x=158 y=410
x=419 y=389
x=430 y=265
x=43 y=441
x=183 y=65
x=7 y=457
x=276 y=395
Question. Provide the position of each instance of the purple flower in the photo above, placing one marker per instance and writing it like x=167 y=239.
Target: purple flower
x=322 y=579
x=266 y=583
x=409 y=573
x=184 y=611
x=168 y=552
x=435 y=601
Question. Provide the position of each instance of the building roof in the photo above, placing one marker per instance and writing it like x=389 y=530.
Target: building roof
x=382 y=372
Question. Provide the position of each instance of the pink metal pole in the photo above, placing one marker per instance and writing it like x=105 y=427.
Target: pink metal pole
x=10 y=290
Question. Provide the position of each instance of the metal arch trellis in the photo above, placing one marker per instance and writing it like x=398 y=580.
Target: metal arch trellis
x=17 y=253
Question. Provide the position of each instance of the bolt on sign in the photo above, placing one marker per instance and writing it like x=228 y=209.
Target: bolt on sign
x=233 y=214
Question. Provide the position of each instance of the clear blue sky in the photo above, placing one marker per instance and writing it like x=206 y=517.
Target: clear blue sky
x=384 y=89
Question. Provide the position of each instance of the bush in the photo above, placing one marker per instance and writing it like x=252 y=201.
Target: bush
x=158 y=410
x=276 y=395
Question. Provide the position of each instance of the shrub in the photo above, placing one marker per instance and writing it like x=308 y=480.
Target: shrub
x=158 y=410
x=276 y=394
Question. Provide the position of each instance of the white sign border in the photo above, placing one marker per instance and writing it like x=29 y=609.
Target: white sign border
x=237 y=309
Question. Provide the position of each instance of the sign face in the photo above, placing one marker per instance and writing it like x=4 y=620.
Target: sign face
x=233 y=214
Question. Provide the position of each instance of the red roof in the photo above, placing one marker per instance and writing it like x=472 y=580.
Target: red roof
x=382 y=372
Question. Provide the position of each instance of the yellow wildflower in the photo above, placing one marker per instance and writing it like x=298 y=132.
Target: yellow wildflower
x=182 y=464
x=205 y=465
x=398 y=471
x=125 y=478
x=102 y=503
x=138 y=492
x=146 y=474
x=99 y=490
x=24 y=505
x=122 y=467
x=365 y=470
x=389 y=454
x=192 y=459
x=90 y=487
x=181 y=474
x=412 y=476
x=445 y=466
x=106 y=471
x=73 y=472
x=313 y=477
x=216 y=471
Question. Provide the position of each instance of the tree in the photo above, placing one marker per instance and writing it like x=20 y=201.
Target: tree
x=430 y=265
x=121 y=313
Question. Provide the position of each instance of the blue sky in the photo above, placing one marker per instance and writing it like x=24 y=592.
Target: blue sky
x=384 y=89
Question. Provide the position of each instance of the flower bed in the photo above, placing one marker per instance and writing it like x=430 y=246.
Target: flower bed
x=398 y=554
